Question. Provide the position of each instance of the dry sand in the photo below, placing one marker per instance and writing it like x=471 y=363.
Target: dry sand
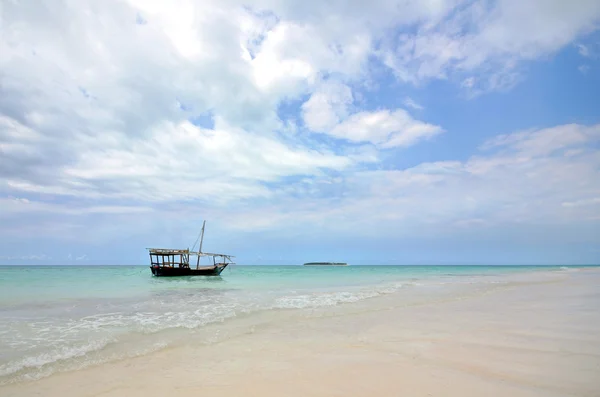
x=536 y=336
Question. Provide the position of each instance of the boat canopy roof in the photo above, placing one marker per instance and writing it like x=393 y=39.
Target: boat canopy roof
x=168 y=251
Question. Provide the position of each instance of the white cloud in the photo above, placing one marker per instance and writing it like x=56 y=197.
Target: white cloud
x=583 y=50
x=469 y=82
x=327 y=106
x=42 y=257
x=409 y=102
x=328 y=111
x=490 y=40
x=108 y=117
x=97 y=113
x=183 y=162
x=546 y=141
x=584 y=68
x=526 y=180
x=385 y=129
x=545 y=177
x=578 y=203
x=16 y=206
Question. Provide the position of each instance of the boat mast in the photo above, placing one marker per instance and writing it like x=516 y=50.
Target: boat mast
x=200 y=247
x=202 y=238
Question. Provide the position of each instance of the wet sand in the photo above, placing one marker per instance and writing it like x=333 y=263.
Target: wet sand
x=533 y=335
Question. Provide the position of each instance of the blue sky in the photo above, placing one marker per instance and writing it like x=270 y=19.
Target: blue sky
x=410 y=132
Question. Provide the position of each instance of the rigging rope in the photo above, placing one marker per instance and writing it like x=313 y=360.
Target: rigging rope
x=193 y=246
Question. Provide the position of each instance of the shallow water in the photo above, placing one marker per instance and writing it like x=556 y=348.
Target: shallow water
x=55 y=318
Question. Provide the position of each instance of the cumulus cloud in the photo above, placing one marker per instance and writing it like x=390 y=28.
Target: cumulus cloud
x=384 y=128
x=110 y=116
x=327 y=106
x=490 y=39
x=328 y=111
x=180 y=162
x=255 y=113
x=521 y=178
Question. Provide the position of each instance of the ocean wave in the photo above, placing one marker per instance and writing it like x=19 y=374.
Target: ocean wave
x=43 y=359
x=152 y=322
x=71 y=359
x=568 y=269
x=47 y=345
x=321 y=299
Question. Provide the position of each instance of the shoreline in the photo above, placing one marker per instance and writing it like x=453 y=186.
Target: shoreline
x=479 y=339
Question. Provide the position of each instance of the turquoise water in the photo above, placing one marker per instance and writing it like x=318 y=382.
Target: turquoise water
x=56 y=318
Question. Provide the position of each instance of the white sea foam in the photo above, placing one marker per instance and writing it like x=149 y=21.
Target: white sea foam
x=38 y=348
x=80 y=342
x=73 y=359
x=42 y=359
x=568 y=269
x=321 y=299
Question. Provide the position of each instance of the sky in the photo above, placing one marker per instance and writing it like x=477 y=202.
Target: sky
x=380 y=132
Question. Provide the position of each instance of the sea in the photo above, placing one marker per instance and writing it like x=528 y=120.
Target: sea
x=61 y=318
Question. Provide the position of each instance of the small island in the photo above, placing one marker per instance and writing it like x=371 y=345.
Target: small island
x=325 y=264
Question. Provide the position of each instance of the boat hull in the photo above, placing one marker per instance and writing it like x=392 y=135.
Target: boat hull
x=160 y=271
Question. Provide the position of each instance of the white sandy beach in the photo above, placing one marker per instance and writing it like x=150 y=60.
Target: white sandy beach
x=534 y=336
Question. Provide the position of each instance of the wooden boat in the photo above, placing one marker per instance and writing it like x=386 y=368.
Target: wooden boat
x=325 y=264
x=165 y=262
